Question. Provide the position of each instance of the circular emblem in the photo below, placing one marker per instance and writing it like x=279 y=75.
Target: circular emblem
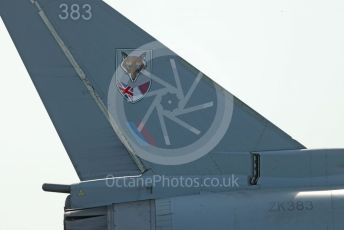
x=169 y=112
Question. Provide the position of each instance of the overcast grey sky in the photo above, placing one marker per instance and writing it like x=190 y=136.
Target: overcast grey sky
x=283 y=58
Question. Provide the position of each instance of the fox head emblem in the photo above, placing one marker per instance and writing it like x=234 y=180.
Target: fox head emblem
x=133 y=65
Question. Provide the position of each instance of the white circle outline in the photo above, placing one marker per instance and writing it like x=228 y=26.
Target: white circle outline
x=186 y=154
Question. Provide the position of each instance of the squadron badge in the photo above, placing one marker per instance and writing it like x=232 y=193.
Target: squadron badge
x=131 y=82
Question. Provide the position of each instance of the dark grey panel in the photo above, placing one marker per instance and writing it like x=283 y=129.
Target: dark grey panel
x=87 y=219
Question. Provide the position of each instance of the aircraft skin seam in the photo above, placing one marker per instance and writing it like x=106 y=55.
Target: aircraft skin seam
x=87 y=84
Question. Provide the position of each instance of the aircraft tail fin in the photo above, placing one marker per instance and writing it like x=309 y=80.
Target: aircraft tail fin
x=120 y=100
